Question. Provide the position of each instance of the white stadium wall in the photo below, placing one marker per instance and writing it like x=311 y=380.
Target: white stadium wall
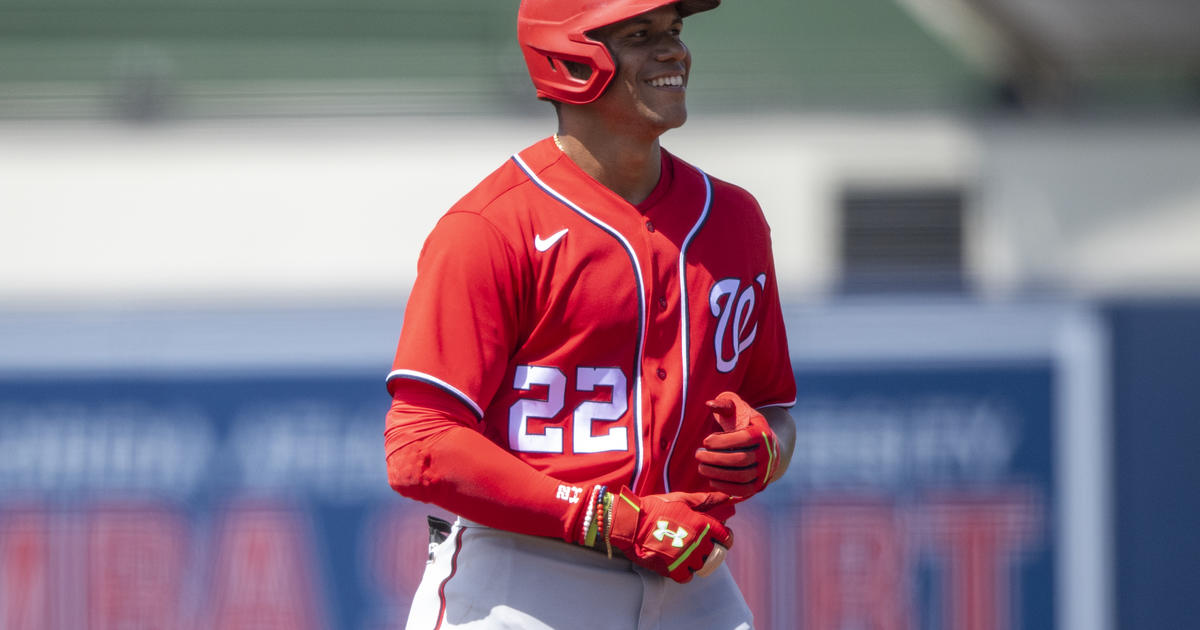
x=300 y=211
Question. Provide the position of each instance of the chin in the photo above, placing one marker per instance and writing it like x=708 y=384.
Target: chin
x=677 y=118
x=681 y=119
x=670 y=118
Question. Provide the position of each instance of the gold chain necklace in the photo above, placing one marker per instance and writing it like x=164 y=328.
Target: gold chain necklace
x=558 y=144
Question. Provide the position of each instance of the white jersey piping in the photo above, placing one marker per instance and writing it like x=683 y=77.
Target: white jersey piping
x=439 y=383
x=684 y=330
x=642 y=323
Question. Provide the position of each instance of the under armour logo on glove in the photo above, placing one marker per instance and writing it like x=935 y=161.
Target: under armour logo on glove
x=641 y=526
x=677 y=536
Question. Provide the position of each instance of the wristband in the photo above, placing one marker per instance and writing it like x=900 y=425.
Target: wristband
x=608 y=516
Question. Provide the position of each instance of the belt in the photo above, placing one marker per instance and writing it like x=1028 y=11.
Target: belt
x=439 y=531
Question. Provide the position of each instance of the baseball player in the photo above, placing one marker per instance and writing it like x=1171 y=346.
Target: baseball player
x=592 y=369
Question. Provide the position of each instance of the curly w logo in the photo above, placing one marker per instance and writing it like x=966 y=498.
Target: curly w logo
x=733 y=306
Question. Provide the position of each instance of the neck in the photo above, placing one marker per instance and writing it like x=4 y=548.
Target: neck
x=625 y=165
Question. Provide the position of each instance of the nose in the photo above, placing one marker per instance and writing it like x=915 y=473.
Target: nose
x=671 y=49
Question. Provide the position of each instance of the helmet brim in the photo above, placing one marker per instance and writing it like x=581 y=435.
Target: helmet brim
x=691 y=7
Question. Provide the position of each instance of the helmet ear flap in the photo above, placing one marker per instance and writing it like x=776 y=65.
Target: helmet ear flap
x=569 y=77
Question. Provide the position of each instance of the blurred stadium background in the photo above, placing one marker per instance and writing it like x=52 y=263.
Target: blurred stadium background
x=986 y=217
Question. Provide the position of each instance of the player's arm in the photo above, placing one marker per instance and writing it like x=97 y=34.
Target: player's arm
x=754 y=446
x=435 y=455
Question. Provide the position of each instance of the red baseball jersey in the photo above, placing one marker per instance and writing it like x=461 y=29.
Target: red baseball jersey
x=586 y=333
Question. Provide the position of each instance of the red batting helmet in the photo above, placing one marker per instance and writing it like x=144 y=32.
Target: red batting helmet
x=553 y=31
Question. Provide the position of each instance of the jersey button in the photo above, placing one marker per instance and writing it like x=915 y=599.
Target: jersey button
x=650 y=226
x=662 y=374
x=662 y=303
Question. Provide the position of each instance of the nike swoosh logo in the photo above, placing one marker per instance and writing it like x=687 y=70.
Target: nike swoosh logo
x=543 y=244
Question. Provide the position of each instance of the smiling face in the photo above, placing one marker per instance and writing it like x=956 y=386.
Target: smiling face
x=649 y=88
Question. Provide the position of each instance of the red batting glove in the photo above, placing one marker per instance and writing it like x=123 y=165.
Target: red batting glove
x=670 y=534
x=743 y=457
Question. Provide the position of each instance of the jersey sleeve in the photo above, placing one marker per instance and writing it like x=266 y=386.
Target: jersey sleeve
x=769 y=380
x=461 y=322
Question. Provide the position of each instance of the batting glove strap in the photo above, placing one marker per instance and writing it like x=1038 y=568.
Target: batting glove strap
x=670 y=534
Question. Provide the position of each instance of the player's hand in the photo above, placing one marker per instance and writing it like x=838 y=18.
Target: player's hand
x=670 y=534
x=743 y=457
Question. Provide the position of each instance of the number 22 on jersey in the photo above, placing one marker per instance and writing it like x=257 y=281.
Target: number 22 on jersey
x=587 y=379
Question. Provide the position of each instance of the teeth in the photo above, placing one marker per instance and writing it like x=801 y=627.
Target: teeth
x=673 y=81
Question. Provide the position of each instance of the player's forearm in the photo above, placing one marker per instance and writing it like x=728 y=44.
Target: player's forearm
x=784 y=426
x=434 y=457
x=469 y=475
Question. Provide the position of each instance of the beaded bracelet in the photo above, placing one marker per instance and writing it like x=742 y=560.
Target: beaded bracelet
x=589 y=529
x=599 y=521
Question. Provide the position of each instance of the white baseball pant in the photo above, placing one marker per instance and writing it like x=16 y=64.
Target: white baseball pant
x=488 y=579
